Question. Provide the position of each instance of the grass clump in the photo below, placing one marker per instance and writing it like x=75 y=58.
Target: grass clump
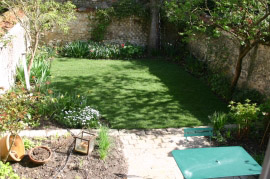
x=104 y=143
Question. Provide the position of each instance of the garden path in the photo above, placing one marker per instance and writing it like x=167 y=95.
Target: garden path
x=148 y=152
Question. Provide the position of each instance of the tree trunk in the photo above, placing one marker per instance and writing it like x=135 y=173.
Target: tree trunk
x=33 y=53
x=243 y=51
x=153 y=34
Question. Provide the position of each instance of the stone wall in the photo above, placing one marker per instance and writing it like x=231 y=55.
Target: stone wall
x=119 y=31
x=222 y=53
x=10 y=54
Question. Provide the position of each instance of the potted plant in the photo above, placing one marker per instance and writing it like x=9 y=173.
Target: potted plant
x=15 y=110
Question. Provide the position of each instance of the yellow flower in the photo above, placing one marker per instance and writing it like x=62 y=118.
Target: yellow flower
x=78 y=96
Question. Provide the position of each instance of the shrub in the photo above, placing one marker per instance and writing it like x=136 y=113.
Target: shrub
x=28 y=143
x=19 y=109
x=253 y=95
x=244 y=115
x=131 y=51
x=220 y=84
x=194 y=66
x=103 y=51
x=6 y=171
x=103 y=143
x=97 y=50
x=77 y=49
x=80 y=118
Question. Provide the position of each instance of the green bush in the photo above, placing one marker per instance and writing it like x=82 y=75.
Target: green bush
x=194 y=66
x=97 y=50
x=103 y=51
x=77 y=49
x=240 y=95
x=244 y=115
x=6 y=171
x=86 y=117
x=18 y=109
x=131 y=51
x=104 y=142
x=220 y=84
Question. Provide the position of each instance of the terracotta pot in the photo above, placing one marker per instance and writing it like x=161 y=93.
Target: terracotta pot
x=17 y=150
x=40 y=161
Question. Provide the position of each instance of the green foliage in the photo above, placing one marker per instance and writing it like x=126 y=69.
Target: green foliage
x=104 y=142
x=6 y=171
x=131 y=51
x=77 y=49
x=259 y=158
x=41 y=70
x=194 y=66
x=28 y=143
x=55 y=103
x=80 y=118
x=97 y=50
x=120 y=9
x=220 y=84
x=102 y=21
x=253 y=95
x=244 y=115
x=218 y=120
x=240 y=18
x=103 y=51
x=19 y=109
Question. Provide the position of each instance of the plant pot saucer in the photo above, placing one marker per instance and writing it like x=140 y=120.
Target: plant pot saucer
x=40 y=150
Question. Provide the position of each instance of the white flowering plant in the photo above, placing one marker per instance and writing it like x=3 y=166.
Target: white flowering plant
x=80 y=117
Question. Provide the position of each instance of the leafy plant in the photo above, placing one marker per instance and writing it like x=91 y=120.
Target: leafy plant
x=131 y=51
x=77 y=49
x=19 y=109
x=97 y=50
x=104 y=142
x=41 y=69
x=28 y=143
x=244 y=115
x=6 y=171
x=220 y=84
x=80 y=118
x=194 y=66
x=253 y=95
x=218 y=120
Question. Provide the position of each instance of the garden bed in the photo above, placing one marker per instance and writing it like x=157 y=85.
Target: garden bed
x=77 y=166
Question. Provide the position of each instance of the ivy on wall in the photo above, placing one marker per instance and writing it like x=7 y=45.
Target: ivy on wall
x=120 y=10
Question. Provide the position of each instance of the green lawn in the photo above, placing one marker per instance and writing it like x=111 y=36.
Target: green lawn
x=138 y=93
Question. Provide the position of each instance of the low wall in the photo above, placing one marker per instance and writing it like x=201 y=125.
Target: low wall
x=222 y=53
x=12 y=46
x=119 y=31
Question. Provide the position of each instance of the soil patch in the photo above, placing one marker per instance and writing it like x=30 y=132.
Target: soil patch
x=40 y=154
x=65 y=163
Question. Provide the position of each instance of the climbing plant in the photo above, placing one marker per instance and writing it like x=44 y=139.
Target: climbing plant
x=119 y=10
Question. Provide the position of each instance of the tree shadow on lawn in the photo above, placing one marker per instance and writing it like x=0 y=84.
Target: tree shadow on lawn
x=145 y=94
